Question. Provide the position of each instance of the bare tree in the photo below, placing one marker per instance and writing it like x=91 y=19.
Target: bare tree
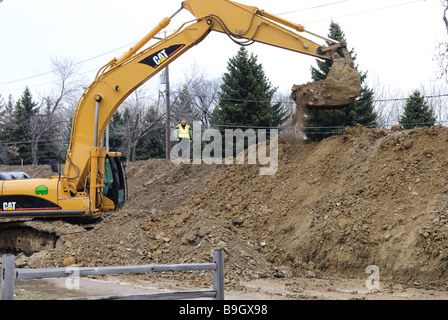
x=140 y=118
x=288 y=104
x=445 y=13
x=442 y=56
x=389 y=105
x=204 y=93
x=196 y=97
x=436 y=98
x=182 y=105
x=50 y=114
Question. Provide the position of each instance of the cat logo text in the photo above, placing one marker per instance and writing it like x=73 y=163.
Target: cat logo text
x=9 y=206
x=161 y=56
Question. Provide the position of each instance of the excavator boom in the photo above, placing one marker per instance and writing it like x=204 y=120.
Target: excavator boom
x=94 y=181
x=246 y=25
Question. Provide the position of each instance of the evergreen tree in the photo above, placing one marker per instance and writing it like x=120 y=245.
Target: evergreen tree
x=115 y=136
x=246 y=95
x=152 y=140
x=360 y=111
x=8 y=150
x=150 y=145
x=3 y=121
x=3 y=145
x=417 y=113
x=19 y=131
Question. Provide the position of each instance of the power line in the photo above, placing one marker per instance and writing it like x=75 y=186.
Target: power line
x=50 y=82
x=284 y=13
x=290 y=102
x=47 y=142
x=374 y=100
x=314 y=7
x=243 y=127
x=77 y=63
x=335 y=127
x=384 y=126
x=44 y=141
x=371 y=10
x=27 y=78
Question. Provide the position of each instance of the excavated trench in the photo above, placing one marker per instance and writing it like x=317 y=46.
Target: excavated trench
x=16 y=238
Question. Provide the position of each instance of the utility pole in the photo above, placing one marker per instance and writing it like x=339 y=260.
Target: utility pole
x=168 y=112
x=107 y=139
x=168 y=109
x=167 y=102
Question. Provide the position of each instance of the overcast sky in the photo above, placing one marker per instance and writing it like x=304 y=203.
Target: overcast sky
x=395 y=40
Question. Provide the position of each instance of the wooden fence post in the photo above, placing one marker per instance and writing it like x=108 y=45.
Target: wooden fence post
x=218 y=274
x=8 y=277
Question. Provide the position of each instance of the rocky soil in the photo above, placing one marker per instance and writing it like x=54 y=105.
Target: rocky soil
x=368 y=197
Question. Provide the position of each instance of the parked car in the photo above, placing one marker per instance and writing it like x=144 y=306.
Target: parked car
x=13 y=175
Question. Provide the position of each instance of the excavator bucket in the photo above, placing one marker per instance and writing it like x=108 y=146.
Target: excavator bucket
x=341 y=87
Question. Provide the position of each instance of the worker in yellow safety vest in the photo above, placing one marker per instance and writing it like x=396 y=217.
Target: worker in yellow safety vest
x=184 y=131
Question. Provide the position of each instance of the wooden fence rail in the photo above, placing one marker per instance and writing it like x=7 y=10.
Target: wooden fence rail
x=9 y=274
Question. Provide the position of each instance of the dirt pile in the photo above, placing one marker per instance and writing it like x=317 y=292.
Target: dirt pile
x=164 y=185
x=368 y=197
x=33 y=171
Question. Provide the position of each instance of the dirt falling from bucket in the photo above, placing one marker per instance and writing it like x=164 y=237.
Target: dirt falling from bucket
x=293 y=133
x=341 y=87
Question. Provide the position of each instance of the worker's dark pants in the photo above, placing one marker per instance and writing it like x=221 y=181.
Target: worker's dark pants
x=184 y=145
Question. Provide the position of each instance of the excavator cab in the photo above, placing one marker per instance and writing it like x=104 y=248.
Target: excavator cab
x=115 y=181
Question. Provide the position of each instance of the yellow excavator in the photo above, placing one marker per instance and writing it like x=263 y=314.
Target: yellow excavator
x=93 y=181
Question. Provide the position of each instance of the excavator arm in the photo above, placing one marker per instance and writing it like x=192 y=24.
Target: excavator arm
x=243 y=24
x=83 y=188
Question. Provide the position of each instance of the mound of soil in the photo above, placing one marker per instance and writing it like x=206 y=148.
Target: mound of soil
x=163 y=185
x=368 y=197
